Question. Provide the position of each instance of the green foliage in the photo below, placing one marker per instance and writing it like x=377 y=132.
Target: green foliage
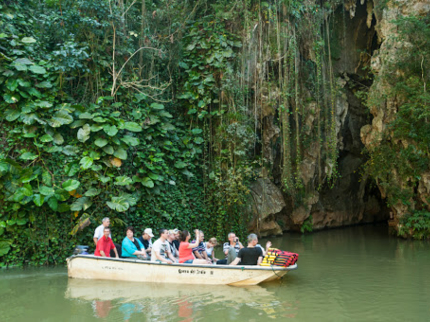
x=307 y=225
x=400 y=156
x=416 y=225
x=70 y=153
x=214 y=101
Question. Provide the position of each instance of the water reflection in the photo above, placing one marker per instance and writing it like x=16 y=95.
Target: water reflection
x=101 y=308
x=169 y=302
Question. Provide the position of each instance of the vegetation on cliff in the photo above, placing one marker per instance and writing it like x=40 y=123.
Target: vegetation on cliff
x=160 y=114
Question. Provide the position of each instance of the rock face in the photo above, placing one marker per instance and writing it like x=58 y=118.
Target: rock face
x=386 y=111
x=265 y=203
x=351 y=199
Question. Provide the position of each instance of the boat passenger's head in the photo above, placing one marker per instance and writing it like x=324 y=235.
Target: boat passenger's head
x=164 y=233
x=231 y=237
x=106 y=232
x=202 y=236
x=213 y=242
x=147 y=234
x=172 y=235
x=106 y=222
x=252 y=239
x=129 y=231
x=184 y=236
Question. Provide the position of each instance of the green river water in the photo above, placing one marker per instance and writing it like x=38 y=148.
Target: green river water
x=351 y=274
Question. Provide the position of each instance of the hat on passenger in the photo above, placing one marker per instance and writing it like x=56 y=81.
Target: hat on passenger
x=149 y=232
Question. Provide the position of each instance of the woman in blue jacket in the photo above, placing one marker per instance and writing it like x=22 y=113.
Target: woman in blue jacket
x=132 y=247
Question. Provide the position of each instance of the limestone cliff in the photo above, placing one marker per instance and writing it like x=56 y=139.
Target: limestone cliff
x=386 y=110
x=361 y=37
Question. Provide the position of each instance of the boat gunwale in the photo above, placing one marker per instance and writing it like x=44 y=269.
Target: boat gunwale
x=138 y=261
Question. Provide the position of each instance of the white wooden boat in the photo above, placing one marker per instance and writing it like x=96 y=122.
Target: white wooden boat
x=134 y=270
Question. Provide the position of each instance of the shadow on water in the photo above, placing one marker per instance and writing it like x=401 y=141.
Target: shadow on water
x=352 y=274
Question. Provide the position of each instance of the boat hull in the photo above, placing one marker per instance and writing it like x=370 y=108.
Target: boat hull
x=133 y=270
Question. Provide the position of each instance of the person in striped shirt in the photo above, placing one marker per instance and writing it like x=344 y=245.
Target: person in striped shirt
x=230 y=249
x=200 y=251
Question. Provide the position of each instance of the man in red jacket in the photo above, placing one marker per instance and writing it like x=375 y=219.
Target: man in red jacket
x=105 y=244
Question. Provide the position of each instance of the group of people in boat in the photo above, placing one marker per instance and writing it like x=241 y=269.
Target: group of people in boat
x=174 y=246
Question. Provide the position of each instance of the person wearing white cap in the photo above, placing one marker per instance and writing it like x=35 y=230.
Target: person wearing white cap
x=145 y=239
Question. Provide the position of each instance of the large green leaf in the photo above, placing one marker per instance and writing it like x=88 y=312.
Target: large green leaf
x=12 y=115
x=21 y=192
x=153 y=176
x=29 y=118
x=105 y=179
x=53 y=203
x=28 y=178
x=11 y=84
x=119 y=204
x=84 y=133
x=86 y=116
x=81 y=204
x=43 y=104
x=147 y=182
x=180 y=164
x=168 y=127
x=108 y=149
x=123 y=181
x=19 y=66
x=121 y=154
x=196 y=131
x=86 y=162
x=100 y=142
x=46 y=191
x=96 y=128
x=28 y=40
x=47 y=178
x=133 y=127
x=38 y=69
x=99 y=119
x=11 y=99
x=92 y=192
x=77 y=123
x=70 y=150
x=58 y=139
x=165 y=114
x=188 y=173
x=70 y=185
x=157 y=106
x=46 y=138
x=110 y=130
x=34 y=92
x=28 y=156
x=198 y=140
x=130 y=140
x=53 y=149
x=71 y=169
x=4 y=248
x=44 y=84
x=60 y=118
x=38 y=200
